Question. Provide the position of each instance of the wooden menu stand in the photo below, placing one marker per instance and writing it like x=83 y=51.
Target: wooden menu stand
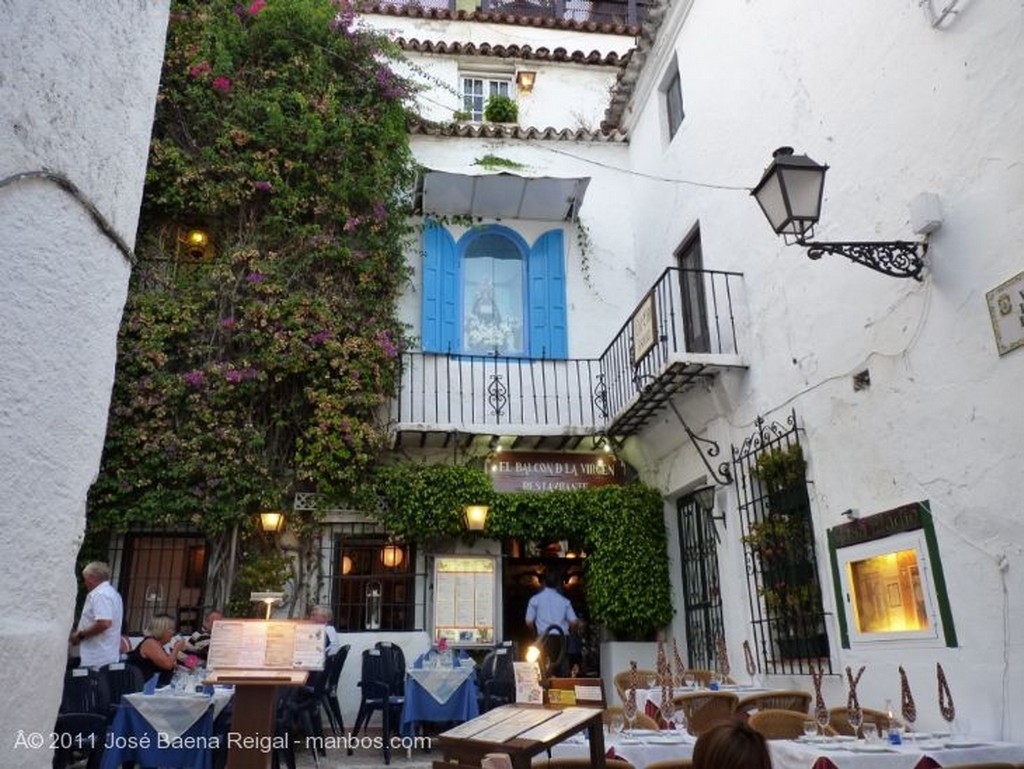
x=522 y=731
x=256 y=657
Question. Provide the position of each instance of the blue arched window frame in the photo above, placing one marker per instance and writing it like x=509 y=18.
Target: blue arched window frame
x=544 y=328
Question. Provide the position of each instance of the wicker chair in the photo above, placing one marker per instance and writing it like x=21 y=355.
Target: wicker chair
x=782 y=724
x=703 y=677
x=675 y=763
x=643 y=721
x=581 y=763
x=797 y=701
x=877 y=718
x=621 y=681
x=705 y=709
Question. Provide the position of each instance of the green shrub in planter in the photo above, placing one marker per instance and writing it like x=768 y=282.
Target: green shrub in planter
x=501 y=109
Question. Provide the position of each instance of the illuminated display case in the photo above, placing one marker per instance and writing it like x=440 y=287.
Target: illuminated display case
x=889 y=580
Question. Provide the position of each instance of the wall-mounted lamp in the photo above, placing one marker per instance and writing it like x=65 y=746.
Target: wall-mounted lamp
x=196 y=242
x=790 y=194
x=475 y=517
x=392 y=555
x=346 y=564
x=704 y=497
x=271 y=520
x=525 y=79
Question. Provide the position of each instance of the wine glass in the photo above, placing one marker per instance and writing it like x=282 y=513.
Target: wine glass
x=822 y=717
x=855 y=717
x=616 y=723
x=629 y=713
x=810 y=727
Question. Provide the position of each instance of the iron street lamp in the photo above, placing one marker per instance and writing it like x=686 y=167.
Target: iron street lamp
x=790 y=194
x=271 y=521
x=475 y=517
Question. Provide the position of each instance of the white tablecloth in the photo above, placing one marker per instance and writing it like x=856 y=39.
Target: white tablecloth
x=173 y=713
x=442 y=683
x=646 y=748
x=790 y=754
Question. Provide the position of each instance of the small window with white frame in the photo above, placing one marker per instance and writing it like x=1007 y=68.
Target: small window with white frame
x=477 y=89
x=672 y=92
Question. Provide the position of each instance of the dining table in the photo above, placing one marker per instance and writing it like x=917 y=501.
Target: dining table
x=923 y=750
x=639 y=747
x=440 y=694
x=168 y=728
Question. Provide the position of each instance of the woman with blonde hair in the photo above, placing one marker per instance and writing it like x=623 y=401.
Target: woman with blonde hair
x=149 y=656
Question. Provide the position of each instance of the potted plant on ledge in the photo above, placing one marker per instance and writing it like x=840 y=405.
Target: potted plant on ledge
x=782 y=475
x=501 y=109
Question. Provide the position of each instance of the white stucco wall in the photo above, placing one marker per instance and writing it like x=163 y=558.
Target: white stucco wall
x=78 y=91
x=599 y=304
x=546 y=106
x=895 y=108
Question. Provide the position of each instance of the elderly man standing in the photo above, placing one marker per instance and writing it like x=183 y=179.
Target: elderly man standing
x=98 y=634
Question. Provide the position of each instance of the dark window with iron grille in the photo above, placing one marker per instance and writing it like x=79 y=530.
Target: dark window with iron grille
x=373 y=584
x=702 y=596
x=674 y=101
x=782 y=573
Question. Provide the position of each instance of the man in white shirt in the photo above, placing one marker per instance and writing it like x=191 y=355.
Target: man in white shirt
x=98 y=634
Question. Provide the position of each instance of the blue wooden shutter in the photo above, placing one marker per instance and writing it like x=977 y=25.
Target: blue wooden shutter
x=546 y=271
x=440 y=290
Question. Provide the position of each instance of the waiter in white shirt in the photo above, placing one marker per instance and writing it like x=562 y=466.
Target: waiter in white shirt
x=549 y=609
x=98 y=634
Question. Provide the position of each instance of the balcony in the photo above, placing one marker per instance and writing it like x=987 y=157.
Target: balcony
x=628 y=12
x=683 y=332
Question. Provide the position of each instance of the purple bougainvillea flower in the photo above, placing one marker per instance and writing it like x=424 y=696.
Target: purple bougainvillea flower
x=194 y=378
x=319 y=338
x=380 y=211
x=200 y=69
x=228 y=322
x=263 y=186
x=240 y=11
x=255 y=277
x=352 y=223
x=384 y=340
x=256 y=7
x=234 y=376
x=222 y=84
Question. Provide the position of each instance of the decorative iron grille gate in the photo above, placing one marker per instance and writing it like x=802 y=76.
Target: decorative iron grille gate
x=702 y=596
x=783 y=587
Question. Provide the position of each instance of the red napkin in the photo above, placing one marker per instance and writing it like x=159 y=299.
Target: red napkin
x=610 y=753
x=651 y=709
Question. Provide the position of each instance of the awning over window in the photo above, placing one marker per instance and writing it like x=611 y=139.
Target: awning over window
x=499 y=195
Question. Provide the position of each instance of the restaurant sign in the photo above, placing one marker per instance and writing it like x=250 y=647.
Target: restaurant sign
x=553 y=471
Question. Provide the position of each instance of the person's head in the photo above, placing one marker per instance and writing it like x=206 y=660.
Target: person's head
x=95 y=574
x=551 y=579
x=161 y=627
x=731 y=745
x=321 y=614
x=212 y=617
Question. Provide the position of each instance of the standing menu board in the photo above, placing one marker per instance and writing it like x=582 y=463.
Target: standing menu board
x=464 y=589
x=254 y=644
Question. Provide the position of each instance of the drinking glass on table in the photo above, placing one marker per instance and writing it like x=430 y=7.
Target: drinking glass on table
x=615 y=724
x=855 y=717
x=629 y=713
x=810 y=727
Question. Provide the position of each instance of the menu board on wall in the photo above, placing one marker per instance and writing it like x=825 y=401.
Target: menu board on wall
x=254 y=644
x=464 y=589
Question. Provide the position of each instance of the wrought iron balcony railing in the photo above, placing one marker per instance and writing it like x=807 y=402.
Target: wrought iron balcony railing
x=629 y=12
x=684 y=329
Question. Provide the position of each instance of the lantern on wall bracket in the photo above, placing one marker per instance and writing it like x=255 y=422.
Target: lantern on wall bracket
x=790 y=194
x=272 y=521
x=196 y=242
x=475 y=517
x=392 y=555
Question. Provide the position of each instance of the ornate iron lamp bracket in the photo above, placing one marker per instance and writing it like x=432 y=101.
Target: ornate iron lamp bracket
x=897 y=259
x=723 y=476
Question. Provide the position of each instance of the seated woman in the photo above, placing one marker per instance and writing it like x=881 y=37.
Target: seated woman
x=149 y=656
x=731 y=745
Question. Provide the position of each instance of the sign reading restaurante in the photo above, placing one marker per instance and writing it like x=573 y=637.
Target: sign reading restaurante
x=550 y=471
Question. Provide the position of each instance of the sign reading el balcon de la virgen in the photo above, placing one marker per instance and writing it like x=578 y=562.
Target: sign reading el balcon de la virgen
x=551 y=471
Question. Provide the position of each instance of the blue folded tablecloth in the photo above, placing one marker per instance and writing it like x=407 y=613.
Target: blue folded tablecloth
x=132 y=738
x=421 y=706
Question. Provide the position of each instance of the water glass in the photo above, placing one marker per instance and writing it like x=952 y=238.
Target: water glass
x=810 y=728
x=616 y=722
x=855 y=717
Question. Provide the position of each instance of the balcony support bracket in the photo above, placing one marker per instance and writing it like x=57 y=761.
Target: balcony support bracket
x=723 y=476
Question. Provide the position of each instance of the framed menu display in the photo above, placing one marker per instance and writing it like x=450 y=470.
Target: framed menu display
x=464 y=597
x=265 y=647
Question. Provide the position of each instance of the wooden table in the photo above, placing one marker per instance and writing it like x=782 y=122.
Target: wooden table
x=522 y=731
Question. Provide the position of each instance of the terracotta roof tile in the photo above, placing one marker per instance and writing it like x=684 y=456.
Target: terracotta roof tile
x=512 y=52
x=632 y=65
x=499 y=131
x=415 y=11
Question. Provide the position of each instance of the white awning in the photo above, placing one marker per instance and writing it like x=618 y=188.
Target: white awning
x=499 y=195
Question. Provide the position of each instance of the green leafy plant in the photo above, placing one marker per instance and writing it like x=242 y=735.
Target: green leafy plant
x=462 y=115
x=494 y=161
x=501 y=109
x=781 y=468
x=621 y=527
x=260 y=368
x=781 y=545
